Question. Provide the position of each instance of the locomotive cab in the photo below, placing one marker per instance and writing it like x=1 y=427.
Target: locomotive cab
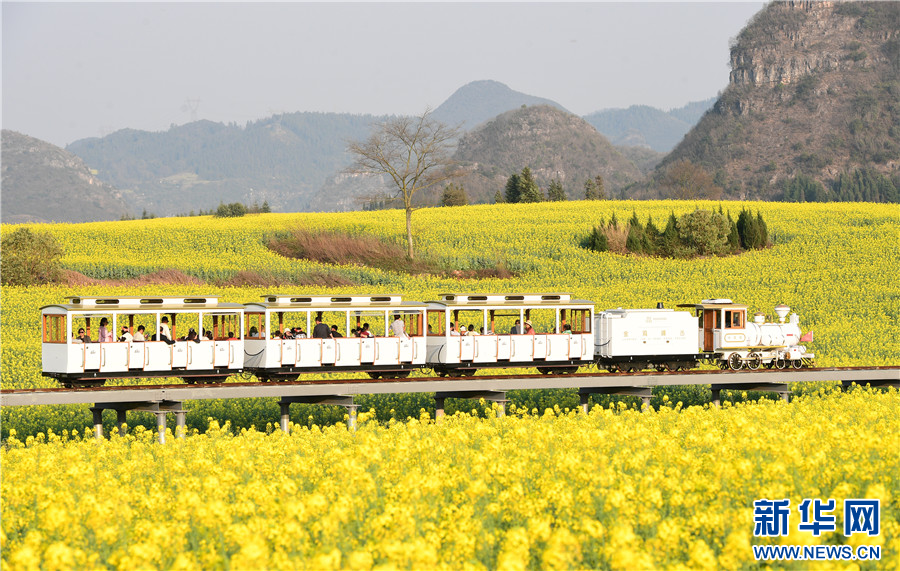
x=734 y=342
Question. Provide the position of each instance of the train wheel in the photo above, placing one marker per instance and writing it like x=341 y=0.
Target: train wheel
x=753 y=361
x=612 y=368
x=797 y=363
x=662 y=367
x=374 y=375
x=735 y=362
x=780 y=363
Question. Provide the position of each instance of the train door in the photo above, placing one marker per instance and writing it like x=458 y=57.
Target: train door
x=709 y=325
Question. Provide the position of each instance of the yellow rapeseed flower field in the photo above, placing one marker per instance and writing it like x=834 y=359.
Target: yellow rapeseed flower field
x=617 y=489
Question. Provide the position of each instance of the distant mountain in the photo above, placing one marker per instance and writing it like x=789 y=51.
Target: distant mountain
x=644 y=126
x=551 y=142
x=812 y=109
x=44 y=183
x=478 y=101
x=284 y=159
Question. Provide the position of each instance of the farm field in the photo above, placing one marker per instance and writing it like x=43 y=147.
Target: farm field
x=617 y=489
x=834 y=264
x=612 y=489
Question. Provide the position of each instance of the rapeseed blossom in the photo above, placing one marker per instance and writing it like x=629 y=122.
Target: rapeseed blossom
x=562 y=490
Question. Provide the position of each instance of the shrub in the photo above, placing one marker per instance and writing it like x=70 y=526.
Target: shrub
x=233 y=210
x=30 y=258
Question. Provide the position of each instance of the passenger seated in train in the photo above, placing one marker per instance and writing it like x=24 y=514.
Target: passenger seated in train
x=81 y=337
x=299 y=333
x=462 y=331
x=254 y=332
x=126 y=337
x=288 y=334
x=231 y=336
x=161 y=336
x=104 y=334
x=453 y=331
x=335 y=334
x=472 y=331
x=139 y=335
x=208 y=335
x=276 y=334
x=516 y=329
x=529 y=330
x=321 y=331
x=567 y=329
x=364 y=332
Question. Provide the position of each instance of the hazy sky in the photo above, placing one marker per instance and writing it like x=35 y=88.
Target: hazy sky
x=75 y=70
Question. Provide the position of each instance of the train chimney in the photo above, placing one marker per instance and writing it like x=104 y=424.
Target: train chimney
x=781 y=310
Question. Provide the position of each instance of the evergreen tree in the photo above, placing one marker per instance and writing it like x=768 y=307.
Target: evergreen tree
x=744 y=223
x=454 y=195
x=556 y=192
x=734 y=239
x=635 y=241
x=597 y=241
x=498 y=197
x=669 y=241
x=590 y=190
x=512 y=189
x=265 y=207
x=762 y=231
x=529 y=191
x=598 y=185
x=651 y=237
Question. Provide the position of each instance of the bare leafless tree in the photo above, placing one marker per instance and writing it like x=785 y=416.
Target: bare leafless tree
x=414 y=152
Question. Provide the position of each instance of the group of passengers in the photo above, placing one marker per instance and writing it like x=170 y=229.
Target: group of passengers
x=516 y=329
x=323 y=331
x=105 y=334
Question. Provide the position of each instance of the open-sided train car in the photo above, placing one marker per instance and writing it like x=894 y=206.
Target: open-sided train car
x=271 y=354
x=562 y=339
x=110 y=324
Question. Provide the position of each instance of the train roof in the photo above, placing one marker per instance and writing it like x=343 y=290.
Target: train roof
x=714 y=304
x=336 y=302
x=138 y=304
x=509 y=300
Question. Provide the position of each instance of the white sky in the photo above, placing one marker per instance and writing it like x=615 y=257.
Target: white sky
x=75 y=70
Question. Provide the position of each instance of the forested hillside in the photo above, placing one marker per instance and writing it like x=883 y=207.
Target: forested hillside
x=644 y=126
x=283 y=159
x=812 y=110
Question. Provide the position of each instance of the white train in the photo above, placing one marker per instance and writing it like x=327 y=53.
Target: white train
x=200 y=339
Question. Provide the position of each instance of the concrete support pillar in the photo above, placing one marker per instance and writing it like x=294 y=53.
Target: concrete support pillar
x=716 y=401
x=120 y=422
x=161 y=425
x=285 y=416
x=98 y=422
x=645 y=404
x=501 y=407
x=351 y=417
x=438 y=409
x=786 y=397
x=180 y=424
x=585 y=401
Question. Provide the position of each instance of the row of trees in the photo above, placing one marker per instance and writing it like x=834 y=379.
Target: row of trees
x=698 y=233
x=861 y=185
x=523 y=188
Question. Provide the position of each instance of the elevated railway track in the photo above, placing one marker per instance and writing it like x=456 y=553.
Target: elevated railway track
x=164 y=399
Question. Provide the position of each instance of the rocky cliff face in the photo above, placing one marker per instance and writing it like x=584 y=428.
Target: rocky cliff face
x=814 y=90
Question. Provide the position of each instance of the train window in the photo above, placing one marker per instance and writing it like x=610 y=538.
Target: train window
x=149 y=301
x=54 y=329
x=579 y=319
x=734 y=319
